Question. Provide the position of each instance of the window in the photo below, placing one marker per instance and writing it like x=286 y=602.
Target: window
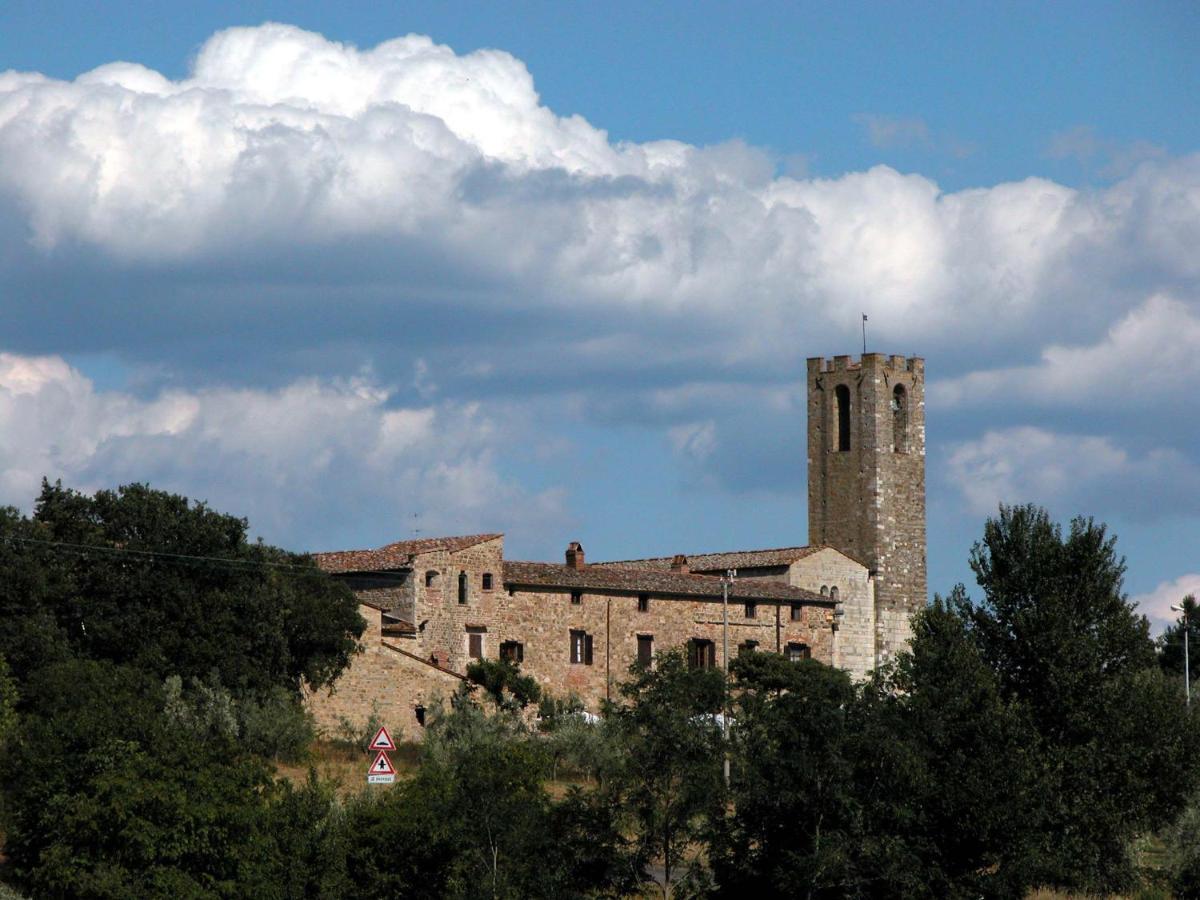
x=576 y=597
x=824 y=590
x=843 y=409
x=797 y=612
x=462 y=587
x=581 y=648
x=643 y=603
x=645 y=650
x=900 y=419
x=475 y=644
x=487 y=581
x=513 y=651
x=751 y=610
x=702 y=654
x=797 y=652
x=431 y=578
x=420 y=712
x=746 y=647
x=833 y=593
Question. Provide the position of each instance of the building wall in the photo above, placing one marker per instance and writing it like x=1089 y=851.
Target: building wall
x=542 y=621
x=854 y=638
x=869 y=501
x=441 y=621
x=381 y=680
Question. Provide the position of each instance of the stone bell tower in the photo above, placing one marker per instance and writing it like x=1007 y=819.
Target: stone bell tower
x=866 y=478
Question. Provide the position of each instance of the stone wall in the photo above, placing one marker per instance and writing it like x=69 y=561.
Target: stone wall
x=386 y=679
x=442 y=622
x=869 y=500
x=542 y=621
x=855 y=634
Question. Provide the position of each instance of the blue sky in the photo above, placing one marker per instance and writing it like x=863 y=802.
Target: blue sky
x=566 y=289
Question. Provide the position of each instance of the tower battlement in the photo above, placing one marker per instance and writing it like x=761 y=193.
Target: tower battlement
x=913 y=364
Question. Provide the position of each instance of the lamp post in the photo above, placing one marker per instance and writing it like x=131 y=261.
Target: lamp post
x=1187 y=666
x=726 y=584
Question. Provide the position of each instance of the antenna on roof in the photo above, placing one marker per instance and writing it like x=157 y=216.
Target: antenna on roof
x=864 y=334
x=416 y=517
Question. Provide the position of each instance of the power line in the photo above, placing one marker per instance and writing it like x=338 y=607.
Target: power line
x=84 y=549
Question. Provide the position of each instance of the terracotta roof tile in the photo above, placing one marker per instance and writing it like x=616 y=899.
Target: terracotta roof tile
x=719 y=562
x=650 y=581
x=398 y=555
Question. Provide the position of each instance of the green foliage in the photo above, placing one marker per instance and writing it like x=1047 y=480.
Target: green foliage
x=502 y=681
x=1067 y=646
x=475 y=821
x=130 y=576
x=672 y=772
x=8 y=703
x=795 y=813
x=107 y=800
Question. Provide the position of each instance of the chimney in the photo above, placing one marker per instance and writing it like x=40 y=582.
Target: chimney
x=679 y=563
x=575 y=555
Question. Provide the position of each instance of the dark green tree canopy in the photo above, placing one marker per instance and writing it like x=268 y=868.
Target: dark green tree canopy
x=151 y=579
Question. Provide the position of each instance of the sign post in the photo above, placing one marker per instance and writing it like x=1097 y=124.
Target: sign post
x=381 y=771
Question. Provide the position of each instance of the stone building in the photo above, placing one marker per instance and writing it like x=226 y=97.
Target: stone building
x=433 y=605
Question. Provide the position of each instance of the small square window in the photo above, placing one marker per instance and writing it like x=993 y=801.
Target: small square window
x=797 y=612
x=747 y=647
x=643 y=603
x=797 y=652
x=513 y=651
x=751 y=610
x=487 y=581
x=576 y=597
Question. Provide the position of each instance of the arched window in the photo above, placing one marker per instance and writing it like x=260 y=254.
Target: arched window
x=833 y=593
x=462 y=587
x=824 y=590
x=843 y=404
x=900 y=419
x=431 y=579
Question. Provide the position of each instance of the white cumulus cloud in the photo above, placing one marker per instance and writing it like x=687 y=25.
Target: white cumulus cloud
x=280 y=141
x=310 y=458
x=1087 y=472
x=1156 y=604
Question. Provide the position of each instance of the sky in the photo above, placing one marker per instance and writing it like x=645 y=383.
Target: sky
x=362 y=271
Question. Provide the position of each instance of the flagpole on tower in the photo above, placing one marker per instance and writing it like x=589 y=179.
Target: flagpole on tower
x=864 y=334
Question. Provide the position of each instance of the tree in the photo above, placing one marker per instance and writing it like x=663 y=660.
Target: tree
x=962 y=803
x=1171 y=644
x=104 y=798
x=1065 y=643
x=502 y=681
x=793 y=830
x=671 y=777
x=151 y=579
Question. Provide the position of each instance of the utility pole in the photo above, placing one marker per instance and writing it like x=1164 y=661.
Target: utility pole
x=726 y=584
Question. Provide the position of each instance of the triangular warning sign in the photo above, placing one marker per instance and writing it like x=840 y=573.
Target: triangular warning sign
x=382 y=765
x=382 y=740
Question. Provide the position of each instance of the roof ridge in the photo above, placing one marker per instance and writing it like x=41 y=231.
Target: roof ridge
x=692 y=556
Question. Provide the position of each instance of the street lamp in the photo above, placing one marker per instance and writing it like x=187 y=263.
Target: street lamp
x=1187 y=666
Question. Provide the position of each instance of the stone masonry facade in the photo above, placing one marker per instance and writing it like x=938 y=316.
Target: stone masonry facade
x=434 y=604
x=866 y=478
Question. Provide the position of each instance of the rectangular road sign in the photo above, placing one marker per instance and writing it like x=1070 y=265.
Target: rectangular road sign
x=381 y=779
